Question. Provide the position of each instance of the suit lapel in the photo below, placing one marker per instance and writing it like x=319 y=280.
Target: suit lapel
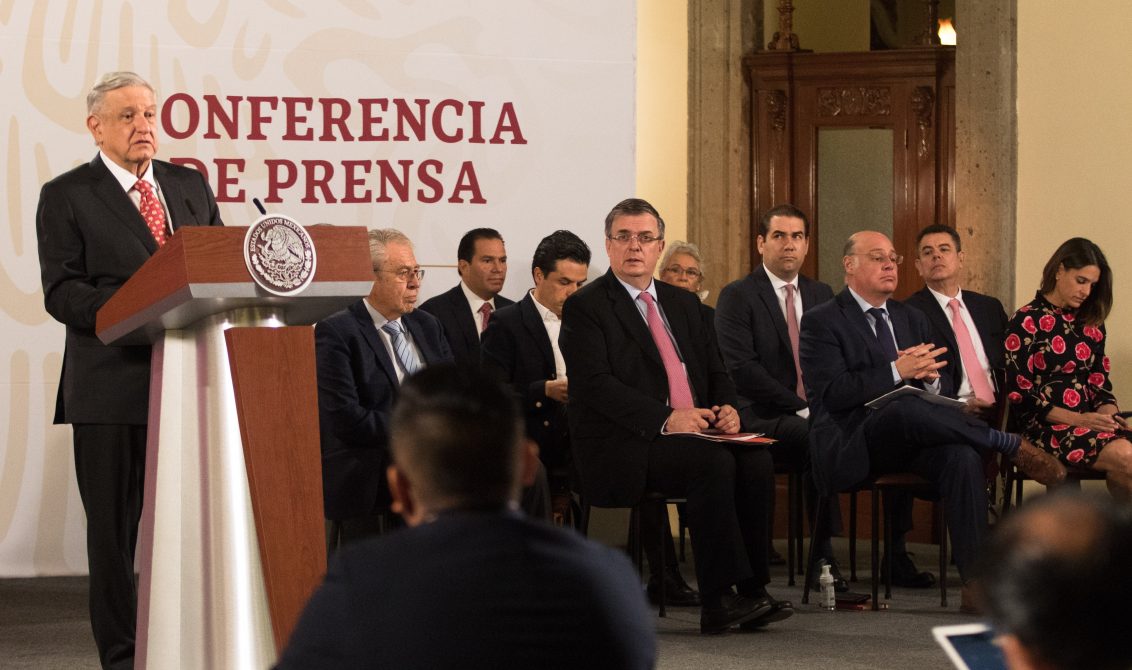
x=174 y=197
x=939 y=318
x=900 y=326
x=808 y=289
x=769 y=298
x=464 y=318
x=627 y=313
x=369 y=333
x=532 y=321
x=110 y=192
x=855 y=316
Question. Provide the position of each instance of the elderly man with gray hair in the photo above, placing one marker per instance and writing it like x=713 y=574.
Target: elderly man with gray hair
x=96 y=225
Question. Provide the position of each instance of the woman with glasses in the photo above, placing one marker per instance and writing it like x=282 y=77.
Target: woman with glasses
x=1057 y=371
x=682 y=266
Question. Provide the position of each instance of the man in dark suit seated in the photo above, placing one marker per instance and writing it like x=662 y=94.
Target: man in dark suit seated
x=96 y=225
x=466 y=309
x=644 y=364
x=363 y=354
x=971 y=325
x=756 y=320
x=859 y=346
x=471 y=583
x=522 y=343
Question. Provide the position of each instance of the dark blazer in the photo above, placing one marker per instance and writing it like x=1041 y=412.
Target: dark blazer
x=357 y=385
x=756 y=345
x=844 y=368
x=618 y=387
x=455 y=314
x=516 y=344
x=91 y=240
x=476 y=590
x=990 y=320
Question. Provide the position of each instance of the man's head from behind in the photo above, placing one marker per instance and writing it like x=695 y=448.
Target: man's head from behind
x=457 y=443
x=559 y=267
x=1056 y=583
x=481 y=260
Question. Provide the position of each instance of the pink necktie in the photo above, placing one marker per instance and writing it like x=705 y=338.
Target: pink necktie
x=971 y=366
x=792 y=329
x=485 y=316
x=151 y=211
x=679 y=393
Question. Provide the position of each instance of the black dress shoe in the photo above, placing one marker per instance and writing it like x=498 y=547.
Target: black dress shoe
x=906 y=574
x=677 y=593
x=735 y=611
x=775 y=558
x=779 y=610
x=840 y=585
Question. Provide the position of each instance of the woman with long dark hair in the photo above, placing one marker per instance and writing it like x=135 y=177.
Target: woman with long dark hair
x=1057 y=372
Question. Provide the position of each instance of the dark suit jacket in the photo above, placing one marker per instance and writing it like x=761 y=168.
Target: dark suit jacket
x=618 y=387
x=990 y=320
x=454 y=312
x=91 y=240
x=516 y=344
x=476 y=590
x=756 y=345
x=844 y=368
x=357 y=385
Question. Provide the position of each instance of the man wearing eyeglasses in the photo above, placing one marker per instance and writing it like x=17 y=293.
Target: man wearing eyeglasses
x=363 y=354
x=644 y=367
x=860 y=346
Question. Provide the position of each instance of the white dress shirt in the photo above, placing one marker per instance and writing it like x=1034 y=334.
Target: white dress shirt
x=476 y=303
x=553 y=326
x=378 y=322
x=779 y=285
x=128 y=179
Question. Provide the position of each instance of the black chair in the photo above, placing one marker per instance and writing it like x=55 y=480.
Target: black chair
x=636 y=551
x=880 y=486
x=795 y=493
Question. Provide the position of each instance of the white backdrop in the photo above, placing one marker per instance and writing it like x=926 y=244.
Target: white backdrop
x=551 y=81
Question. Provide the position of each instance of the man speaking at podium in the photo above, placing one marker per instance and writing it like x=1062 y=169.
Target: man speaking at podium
x=96 y=225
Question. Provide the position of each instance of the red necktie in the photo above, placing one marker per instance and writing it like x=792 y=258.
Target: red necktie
x=792 y=329
x=485 y=316
x=151 y=211
x=971 y=366
x=679 y=392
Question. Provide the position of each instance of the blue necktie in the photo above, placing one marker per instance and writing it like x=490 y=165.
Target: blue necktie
x=405 y=354
x=884 y=333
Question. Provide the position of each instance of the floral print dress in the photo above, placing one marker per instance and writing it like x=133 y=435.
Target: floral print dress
x=1053 y=361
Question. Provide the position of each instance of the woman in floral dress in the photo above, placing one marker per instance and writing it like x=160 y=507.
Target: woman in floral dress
x=1057 y=371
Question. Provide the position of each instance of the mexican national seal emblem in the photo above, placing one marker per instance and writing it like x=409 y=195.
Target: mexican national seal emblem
x=279 y=254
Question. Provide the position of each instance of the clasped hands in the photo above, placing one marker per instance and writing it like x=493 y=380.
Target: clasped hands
x=723 y=418
x=919 y=362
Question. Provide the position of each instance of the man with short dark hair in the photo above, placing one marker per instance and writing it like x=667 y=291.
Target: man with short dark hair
x=971 y=325
x=96 y=225
x=644 y=368
x=471 y=583
x=1056 y=585
x=861 y=345
x=467 y=308
x=757 y=320
x=363 y=353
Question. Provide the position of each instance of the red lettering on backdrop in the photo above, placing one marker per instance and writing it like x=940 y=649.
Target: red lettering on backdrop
x=275 y=179
x=355 y=181
x=438 y=121
x=258 y=118
x=224 y=180
x=229 y=121
x=334 y=114
x=369 y=119
x=467 y=181
x=167 y=116
x=508 y=122
x=294 y=118
x=477 y=117
x=429 y=180
x=405 y=116
x=317 y=174
x=389 y=178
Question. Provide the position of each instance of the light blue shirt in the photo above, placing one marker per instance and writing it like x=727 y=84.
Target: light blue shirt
x=865 y=306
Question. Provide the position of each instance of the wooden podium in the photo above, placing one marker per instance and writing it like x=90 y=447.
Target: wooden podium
x=231 y=542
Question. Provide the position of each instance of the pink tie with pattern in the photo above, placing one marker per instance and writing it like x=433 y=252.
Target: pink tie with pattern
x=679 y=392
x=792 y=330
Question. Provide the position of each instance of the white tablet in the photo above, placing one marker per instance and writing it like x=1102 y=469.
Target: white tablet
x=970 y=646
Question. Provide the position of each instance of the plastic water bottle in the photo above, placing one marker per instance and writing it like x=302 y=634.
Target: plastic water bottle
x=828 y=595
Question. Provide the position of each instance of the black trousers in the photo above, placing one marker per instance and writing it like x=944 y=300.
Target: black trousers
x=110 y=466
x=944 y=446
x=728 y=488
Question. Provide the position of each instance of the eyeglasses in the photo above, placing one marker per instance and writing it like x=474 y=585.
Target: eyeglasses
x=404 y=273
x=691 y=273
x=878 y=257
x=644 y=239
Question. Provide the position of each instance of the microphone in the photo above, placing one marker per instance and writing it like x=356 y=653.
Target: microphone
x=259 y=206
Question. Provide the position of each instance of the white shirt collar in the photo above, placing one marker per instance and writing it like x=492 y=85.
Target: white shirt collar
x=635 y=292
x=126 y=178
x=378 y=319
x=943 y=300
x=864 y=304
x=474 y=300
x=778 y=282
x=545 y=313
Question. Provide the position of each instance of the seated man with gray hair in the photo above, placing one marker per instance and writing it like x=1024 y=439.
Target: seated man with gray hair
x=471 y=583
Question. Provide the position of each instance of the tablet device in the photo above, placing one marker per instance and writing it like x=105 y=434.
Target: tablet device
x=970 y=646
